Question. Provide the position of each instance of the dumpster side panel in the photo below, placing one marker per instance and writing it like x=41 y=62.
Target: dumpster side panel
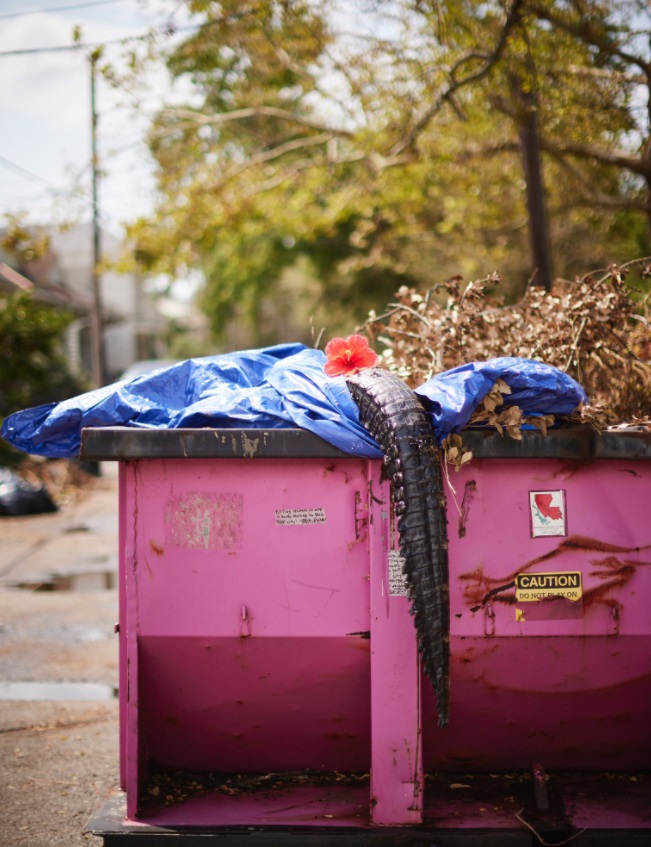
x=135 y=767
x=252 y=548
x=255 y=705
x=545 y=675
x=250 y=597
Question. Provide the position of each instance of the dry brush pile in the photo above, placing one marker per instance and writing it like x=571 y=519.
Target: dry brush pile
x=591 y=327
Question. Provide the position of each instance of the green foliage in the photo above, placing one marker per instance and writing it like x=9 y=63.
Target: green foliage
x=21 y=242
x=32 y=366
x=245 y=267
x=383 y=145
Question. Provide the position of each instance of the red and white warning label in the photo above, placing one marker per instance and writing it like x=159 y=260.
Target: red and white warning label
x=548 y=513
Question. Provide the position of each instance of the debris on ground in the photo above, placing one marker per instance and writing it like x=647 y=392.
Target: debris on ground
x=37 y=486
x=178 y=786
x=19 y=497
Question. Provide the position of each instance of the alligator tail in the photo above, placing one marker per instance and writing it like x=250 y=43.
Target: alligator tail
x=392 y=414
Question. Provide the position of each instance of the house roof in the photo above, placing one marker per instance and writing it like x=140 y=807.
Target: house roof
x=59 y=295
x=59 y=277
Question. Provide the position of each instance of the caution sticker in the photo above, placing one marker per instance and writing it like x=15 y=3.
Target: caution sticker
x=539 y=586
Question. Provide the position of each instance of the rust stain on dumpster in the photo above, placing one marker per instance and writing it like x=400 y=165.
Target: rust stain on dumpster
x=205 y=521
x=612 y=571
x=468 y=497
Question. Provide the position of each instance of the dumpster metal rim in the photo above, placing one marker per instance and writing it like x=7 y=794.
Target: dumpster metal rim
x=126 y=443
x=580 y=444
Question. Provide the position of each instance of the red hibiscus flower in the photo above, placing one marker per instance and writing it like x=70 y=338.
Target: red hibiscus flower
x=543 y=501
x=348 y=356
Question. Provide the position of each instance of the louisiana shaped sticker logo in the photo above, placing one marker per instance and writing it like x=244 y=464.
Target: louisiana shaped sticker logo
x=548 y=513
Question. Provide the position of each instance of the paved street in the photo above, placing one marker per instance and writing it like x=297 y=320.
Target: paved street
x=58 y=606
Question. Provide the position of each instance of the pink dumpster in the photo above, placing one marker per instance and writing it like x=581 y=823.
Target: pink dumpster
x=269 y=677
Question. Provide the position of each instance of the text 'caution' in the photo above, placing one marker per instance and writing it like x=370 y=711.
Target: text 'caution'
x=539 y=586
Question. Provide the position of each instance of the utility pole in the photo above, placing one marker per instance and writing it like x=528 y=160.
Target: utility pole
x=97 y=320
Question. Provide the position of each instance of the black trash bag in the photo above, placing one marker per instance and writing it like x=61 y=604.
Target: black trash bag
x=19 y=497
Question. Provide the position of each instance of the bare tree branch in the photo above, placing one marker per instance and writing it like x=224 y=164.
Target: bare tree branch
x=454 y=85
x=589 y=197
x=617 y=158
x=269 y=155
x=608 y=202
x=196 y=119
x=588 y=152
x=602 y=73
x=584 y=29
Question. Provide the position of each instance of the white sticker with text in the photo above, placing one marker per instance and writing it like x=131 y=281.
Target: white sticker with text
x=299 y=517
x=397 y=581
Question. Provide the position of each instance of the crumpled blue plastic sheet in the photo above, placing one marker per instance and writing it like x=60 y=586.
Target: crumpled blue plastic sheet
x=281 y=386
x=538 y=389
x=276 y=387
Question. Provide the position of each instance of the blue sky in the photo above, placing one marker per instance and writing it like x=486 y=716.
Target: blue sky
x=45 y=115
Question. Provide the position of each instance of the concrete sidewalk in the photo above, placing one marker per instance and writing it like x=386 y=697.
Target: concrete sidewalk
x=58 y=607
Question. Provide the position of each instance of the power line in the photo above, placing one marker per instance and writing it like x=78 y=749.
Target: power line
x=59 y=9
x=18 y=169
x=49 y=186
x=142 y=37
x=66 y=47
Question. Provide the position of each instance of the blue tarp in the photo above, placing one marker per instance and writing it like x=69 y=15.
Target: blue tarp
x=538 y=389
x=281 y=386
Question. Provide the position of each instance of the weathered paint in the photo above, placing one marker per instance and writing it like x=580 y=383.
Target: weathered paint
x=204 y=520
x=468 y=496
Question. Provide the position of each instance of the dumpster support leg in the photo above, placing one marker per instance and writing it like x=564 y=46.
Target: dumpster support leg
x=396 y=739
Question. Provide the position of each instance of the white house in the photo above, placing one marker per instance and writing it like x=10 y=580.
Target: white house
x=134 y=327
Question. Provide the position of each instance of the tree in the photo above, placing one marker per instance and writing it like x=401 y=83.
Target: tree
x=33 y=367
x=381 y=142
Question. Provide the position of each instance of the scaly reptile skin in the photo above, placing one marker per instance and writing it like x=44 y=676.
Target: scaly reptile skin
x=394 y=417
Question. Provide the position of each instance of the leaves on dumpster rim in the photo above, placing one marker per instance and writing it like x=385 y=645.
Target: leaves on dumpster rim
x=454 y=451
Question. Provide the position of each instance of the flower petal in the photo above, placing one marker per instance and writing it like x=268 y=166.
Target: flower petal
x=367 y=359
x=335 y=346
x=335 y=368
x=357 y=342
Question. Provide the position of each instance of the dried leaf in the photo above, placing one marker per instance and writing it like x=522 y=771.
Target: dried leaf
x=590 y=327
